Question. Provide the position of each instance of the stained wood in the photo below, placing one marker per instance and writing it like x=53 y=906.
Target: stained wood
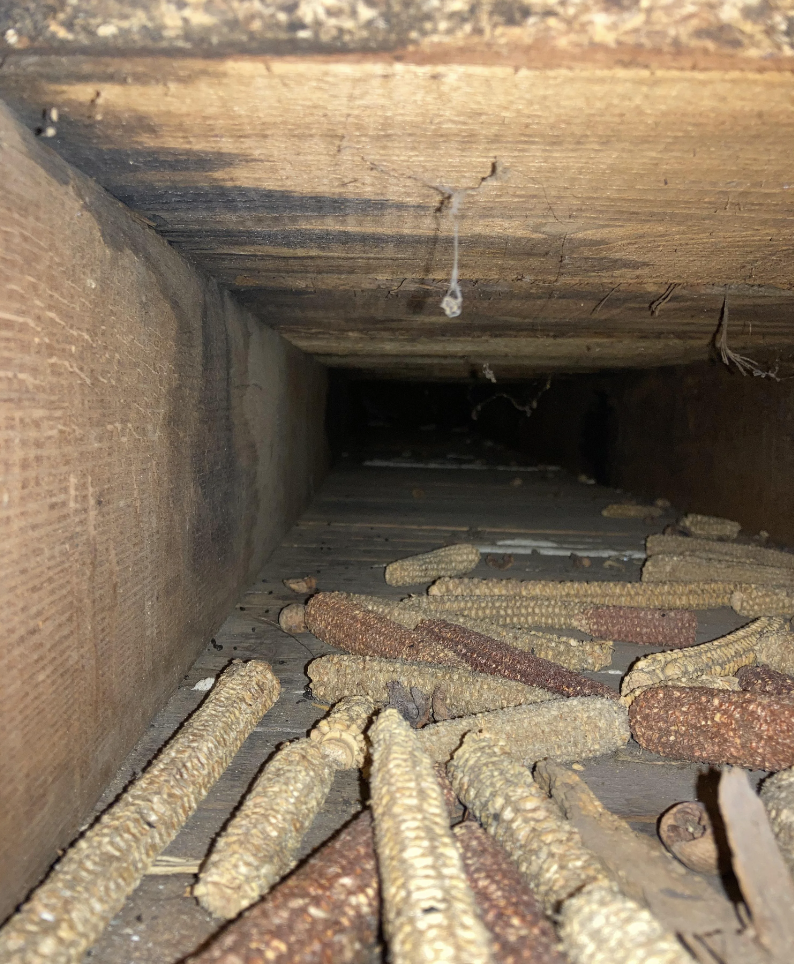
x=607 y=210
x=154 y=442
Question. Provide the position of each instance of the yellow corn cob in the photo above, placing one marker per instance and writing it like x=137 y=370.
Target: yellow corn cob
x=449 y=561
x=758 y=601
x=261 y=843
x=627 y=510
x=569 y=729
x=428 y=908
x=710 y=526
x=674 y=595
x=69 y=911
x=709 y=549
x=463 y=692
x=777 y=794
x=503 y=796
x=721 y=657
x=601 y=926
x=695 y=568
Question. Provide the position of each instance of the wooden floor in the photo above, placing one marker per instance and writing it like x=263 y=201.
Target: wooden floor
x=364 y=517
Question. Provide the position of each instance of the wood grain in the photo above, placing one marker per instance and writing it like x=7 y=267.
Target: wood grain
x=319 y=189
x=154 y=443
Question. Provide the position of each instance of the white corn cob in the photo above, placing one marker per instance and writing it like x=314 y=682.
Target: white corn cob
x=674 y=595
x=695 y=568
x=600 y=925
x=710 y=526
x=777 y=794
x=760 y=601
x=463 y=692
x=428 y=908
x=709 y=549
x=449 y=561
x=721 y=657
x=565 y=730
x=627 y=510
x=515 y=611
x=261 y=843
x=69 y=911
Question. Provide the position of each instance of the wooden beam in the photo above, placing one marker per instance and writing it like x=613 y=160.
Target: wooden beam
x=601 y=208
x=155 y=441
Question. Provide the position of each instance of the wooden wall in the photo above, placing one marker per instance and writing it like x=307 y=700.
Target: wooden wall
x=155 y=441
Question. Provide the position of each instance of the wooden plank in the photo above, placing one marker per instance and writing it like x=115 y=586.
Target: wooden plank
x=144 y=474
x=604 y=211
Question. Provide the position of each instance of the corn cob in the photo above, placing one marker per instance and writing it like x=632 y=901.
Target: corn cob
x=464 y=692
x=709 y=726
x=727 y=683
x=776 y=649
x=765 y=681
x=520 y=932
x=631 y=625
x=758 y=601
x=326 y=911
x=340 y=734
x=592 y=654
x=721 y=657
x=565 y=730
x=503 y=796
x=69 y=911
x=428 y=908
x=777 y=795
x=486 y=655
x=672 y=595
x=403 y=613
x=694 y=568
x=347 y=625
x=601 y=926
x=710 y=527
x=558 y=867
x=261 y=843
x=449 y=561
x=709 y=549
x=627 y=510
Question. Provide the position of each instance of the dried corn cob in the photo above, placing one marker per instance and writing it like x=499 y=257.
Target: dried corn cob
x=627 y=510
x=558 y=867
x=336 y=620
x=709 y=549
x=327 y=911
x=728 y=683
x=671 y=595
x=520 y=932
x=486 y=655
x=695 y=568
x=503 y=796
x=400 y=612
x=261 y=843
x=592 y=654
x=765 y=680
x=709 y=726
x=69 y=911
x=777 y=794
x=449 y=561
x=333 y=677
x=757 y=601
x=565 y=730
x=632 y=625
x=776 y=649
x=340 y=734
x=710 y=526
x=721 y=657
x=601 y=926
x=428 y=908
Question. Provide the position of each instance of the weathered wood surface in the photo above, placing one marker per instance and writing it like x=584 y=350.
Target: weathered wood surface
x=376 y=509
x=605 y=211
x=154 y=443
